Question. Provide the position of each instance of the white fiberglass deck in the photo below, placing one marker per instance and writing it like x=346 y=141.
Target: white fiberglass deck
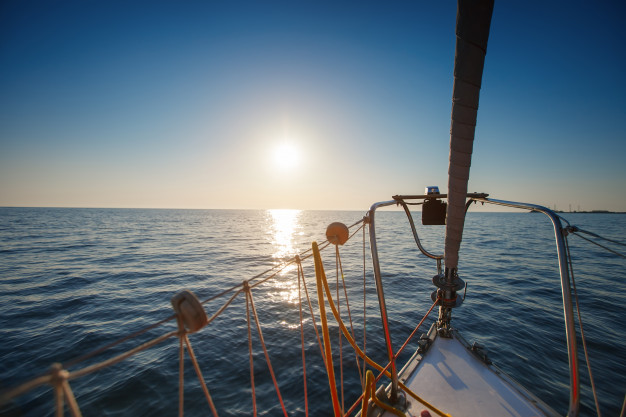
x=453 y=379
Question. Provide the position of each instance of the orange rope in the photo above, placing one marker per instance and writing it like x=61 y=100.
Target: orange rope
x=63 y=391
x=181 y=379
x=46 y=378
x=306 y=398
x=358 y=400
x=356 y=403
x=95 y=352
x=250 y=350
x=59 y=401
x=71 y=400
x=306 y=291
x=339 y=335
x=199 y=374
x=267 y=356
x=370 y=394
x=112 y=361
x=319 y=272
x=323 y=288
x=345 y=293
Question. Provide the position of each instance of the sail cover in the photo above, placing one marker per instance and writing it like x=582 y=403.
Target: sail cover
x=472 y=33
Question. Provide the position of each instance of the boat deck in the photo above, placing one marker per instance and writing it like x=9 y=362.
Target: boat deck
x=449 y=376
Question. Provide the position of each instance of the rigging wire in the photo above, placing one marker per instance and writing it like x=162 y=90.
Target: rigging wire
x=576 y=230
x=600 y=237
x=602 y=246
x=580 y=323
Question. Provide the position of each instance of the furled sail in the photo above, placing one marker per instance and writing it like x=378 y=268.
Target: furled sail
x=472 y=33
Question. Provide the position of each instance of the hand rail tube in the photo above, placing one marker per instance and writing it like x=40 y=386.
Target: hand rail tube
x=415 y=236
x=568 y=313
x=381 y=297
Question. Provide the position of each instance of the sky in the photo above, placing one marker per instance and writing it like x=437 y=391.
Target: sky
x=303 y=105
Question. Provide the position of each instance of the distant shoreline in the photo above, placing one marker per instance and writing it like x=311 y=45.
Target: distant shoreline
x=264 y=209
x=586 y=212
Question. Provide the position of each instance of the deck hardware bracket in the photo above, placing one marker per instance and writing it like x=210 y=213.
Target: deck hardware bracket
x=423 y=344
x=481 y=352
x=569 y=229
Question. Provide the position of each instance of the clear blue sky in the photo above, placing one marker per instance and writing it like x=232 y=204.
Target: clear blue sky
x=183 y=104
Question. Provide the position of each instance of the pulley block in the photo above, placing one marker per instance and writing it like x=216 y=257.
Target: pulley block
x=190 y=311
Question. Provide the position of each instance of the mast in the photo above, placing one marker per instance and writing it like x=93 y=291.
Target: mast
x=472 y=33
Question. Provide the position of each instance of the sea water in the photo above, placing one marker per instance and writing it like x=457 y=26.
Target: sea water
x=73 y=280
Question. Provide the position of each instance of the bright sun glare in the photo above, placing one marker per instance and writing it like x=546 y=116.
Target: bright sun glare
x=286 y=156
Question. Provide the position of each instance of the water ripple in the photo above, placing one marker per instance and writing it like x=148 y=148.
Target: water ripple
x=72 y=280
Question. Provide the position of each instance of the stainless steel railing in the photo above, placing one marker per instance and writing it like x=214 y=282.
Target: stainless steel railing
x=570 y=331
x=568 y=312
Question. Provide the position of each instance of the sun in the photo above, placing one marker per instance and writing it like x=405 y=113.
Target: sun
x=286 y=156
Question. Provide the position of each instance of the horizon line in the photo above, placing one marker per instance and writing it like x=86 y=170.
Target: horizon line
x=275 y=208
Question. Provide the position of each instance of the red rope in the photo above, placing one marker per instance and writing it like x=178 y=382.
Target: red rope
x=358 y=401
x=414 y=331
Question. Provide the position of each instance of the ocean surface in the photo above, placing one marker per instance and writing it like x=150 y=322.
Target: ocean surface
x=73 y=280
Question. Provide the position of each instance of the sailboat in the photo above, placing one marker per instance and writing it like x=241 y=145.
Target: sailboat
x=446 y=375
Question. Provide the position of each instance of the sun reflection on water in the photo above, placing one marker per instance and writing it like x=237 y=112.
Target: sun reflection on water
x=285 y=227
